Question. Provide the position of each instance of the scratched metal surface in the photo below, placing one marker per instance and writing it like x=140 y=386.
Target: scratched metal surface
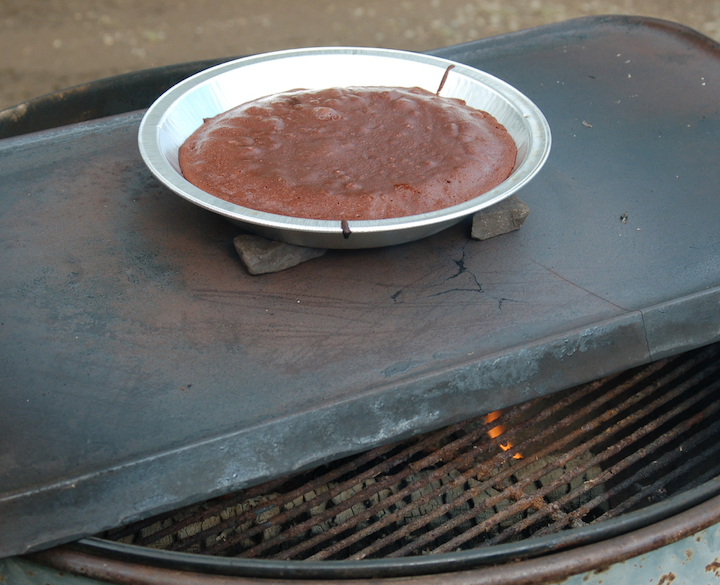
x=689 y=561
x=142 y=368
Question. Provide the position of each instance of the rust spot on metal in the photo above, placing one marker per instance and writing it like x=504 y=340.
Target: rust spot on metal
x=601 y=571
x=667 y=579
x=714 y=567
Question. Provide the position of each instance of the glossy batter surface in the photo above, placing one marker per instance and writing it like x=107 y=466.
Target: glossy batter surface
x=349 y=153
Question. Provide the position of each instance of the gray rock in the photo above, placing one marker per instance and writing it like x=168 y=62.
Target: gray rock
x=261 y=256
x=503 y=217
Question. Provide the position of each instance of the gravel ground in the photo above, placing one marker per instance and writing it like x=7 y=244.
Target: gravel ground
x=46 y=45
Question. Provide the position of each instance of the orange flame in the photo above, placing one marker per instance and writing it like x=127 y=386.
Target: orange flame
x=499 y=430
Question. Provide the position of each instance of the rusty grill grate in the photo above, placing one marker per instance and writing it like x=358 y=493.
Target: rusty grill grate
x=579 y=457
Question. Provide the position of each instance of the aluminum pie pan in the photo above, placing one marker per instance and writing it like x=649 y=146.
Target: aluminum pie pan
x=181 y=110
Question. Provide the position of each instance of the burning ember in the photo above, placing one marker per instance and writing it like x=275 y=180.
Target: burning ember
x=499 y=430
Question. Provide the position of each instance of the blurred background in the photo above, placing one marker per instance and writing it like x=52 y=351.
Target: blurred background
x=46 y=45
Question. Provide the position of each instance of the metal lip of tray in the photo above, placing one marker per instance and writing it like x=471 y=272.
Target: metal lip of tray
x=180 y=111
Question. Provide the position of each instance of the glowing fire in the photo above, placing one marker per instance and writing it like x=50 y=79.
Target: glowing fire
x=499 y=430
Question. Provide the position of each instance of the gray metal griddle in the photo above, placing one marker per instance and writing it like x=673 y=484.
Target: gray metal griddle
x=141 y=368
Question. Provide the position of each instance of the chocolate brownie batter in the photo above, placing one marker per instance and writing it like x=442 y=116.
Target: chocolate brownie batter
x=349 y=153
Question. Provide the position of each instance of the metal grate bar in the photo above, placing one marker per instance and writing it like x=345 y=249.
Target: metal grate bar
x=518 y=489
x=391 y=518
x=371 y=473
x=364 y=495
x=665 y=460
x=248 y=494
x=484 y=467
x=636 y=456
